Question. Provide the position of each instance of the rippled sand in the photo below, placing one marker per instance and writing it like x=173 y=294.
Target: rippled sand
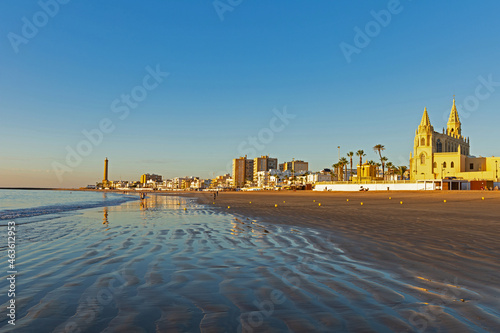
x=155 y=267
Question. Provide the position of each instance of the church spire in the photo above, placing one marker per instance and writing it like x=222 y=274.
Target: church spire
x=454 y=127
x=425 y=118
x=425 y=124
x=454 y=114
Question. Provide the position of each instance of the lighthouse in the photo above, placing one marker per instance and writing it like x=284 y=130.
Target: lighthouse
x=105 y=179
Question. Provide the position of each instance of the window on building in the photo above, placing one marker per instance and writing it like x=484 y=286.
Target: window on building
x=439 y=146
x=444 y=165
x=471 y=166
x=452 y=165
x=422 y=142
x=422 y=159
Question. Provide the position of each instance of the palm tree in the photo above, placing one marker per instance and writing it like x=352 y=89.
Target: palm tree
x=379 y=148
x=350 y=155
x=402 y=169
x=390 y=168
x=343 y=163
x=371 y=162
x=332 y=172
x=383 y=159
x=360 y=153
x=336 y=168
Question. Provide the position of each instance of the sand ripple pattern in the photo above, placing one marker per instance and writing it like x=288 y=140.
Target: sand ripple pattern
x=155 y=267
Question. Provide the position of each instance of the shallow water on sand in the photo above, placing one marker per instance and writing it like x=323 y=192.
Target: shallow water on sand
x=152 y=266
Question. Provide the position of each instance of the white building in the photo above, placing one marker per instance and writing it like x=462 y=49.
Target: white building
x=198 y=184
x=272 y=178
x=318 y=177
x=262 y=179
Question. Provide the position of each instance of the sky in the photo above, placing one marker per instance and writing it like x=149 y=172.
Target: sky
x=180 y=88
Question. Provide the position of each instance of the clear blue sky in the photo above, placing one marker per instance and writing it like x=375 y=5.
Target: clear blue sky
x=227 y=76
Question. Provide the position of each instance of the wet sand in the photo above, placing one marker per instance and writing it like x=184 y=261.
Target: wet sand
x=448 y=251
x=169 y=264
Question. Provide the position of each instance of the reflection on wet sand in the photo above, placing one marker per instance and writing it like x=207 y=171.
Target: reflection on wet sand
x=105 y=217
x=168 y=264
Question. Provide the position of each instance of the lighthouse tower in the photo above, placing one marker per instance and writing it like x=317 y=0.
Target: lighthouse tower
x=105 y=179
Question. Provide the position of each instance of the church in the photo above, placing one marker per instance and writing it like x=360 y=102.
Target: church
x=447 y=154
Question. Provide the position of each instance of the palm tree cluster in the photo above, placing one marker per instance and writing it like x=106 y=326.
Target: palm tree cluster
x=341 y=166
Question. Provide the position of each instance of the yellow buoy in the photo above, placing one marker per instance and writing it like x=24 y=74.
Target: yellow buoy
x=314 y=200
x=401 y=202
x=361 y=204
x=390 y=198
x=482 y=198
x=283 y=201
x=185 y=208
x=250 y=202
x=347 y=199
x=276 y=205
x=444 y=201
x=228 y=207
x=319 y=204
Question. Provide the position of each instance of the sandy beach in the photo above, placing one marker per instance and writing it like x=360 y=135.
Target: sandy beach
x=443 y=243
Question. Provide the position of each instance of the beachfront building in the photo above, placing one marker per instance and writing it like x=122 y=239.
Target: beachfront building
x=318 y=177
x=447 y=154
x=224 y=181
x=121 y=184
x=263 y=163
x=165 y=185
x=176 y=183
x=295 y=166
x=263 y=179
x=365 y=173
x=272 y=178
x=198 y=184
x=242 y=171
x=248 y=169
x=151 y=177
x=239 y=171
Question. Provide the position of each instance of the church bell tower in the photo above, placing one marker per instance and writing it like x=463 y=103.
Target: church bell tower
x=454 y=127
x=421 y=161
